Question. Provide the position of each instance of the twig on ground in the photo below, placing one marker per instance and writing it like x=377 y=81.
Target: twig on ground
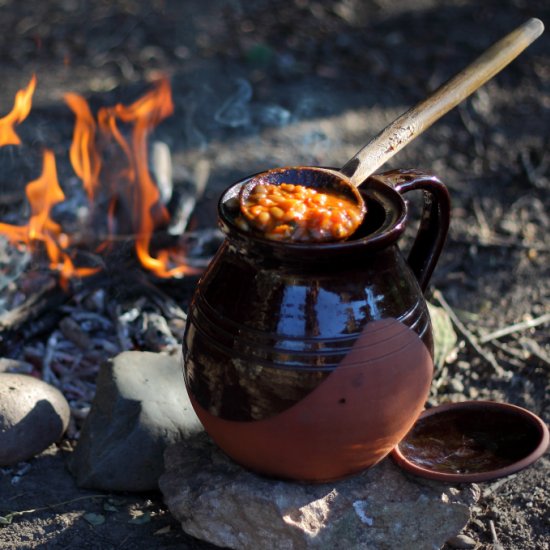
x=500 y=242
x=47 y=372
x=496 y=485
x=470 y=338
x=517 y=327
x=531 y=347
x=535 y=174
x=8 y=518
x=472 y=128
x=496 y=544
x=485 y=230
x=516 y=357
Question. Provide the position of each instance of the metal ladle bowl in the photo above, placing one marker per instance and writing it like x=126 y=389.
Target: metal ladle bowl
x=405 y=128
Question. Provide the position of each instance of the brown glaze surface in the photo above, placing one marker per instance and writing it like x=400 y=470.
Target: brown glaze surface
x=271 y=322
x=349 y=422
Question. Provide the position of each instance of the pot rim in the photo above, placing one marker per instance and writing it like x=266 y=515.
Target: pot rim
x=373 y=189
x=475 y=477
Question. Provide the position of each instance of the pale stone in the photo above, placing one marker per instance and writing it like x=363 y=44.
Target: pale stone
x=33 y=415
x=382 y=508
x=462 y=542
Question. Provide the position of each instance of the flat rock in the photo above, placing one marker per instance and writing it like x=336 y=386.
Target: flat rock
x=140 y=407
x=382 y=508
x=33 y=415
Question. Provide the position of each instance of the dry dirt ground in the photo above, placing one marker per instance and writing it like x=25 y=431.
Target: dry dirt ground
x=265 y=83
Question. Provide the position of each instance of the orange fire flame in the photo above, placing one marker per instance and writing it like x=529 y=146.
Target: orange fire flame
x=134 y=185
x=20 y=111
x=43 y=194
x=85 y=159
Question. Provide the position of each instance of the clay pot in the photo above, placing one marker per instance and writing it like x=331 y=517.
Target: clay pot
x=312 y=361
x=472 y=442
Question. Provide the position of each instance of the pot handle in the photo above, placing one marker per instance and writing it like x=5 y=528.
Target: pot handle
x=434 y=223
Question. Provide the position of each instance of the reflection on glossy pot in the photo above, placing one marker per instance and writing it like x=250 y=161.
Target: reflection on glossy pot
x=312 y=361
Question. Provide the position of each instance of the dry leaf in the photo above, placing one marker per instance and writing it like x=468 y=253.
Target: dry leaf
x=94 y=519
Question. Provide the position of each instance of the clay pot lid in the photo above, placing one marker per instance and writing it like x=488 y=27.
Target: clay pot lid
x=472 y=441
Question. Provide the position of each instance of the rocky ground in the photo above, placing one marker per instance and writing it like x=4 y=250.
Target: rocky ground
x=261 y=84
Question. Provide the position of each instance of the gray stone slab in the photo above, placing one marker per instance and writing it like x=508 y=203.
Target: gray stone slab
x=141 y=406
x=382 y=508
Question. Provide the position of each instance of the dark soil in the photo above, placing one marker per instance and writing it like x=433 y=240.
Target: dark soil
x=267 y=83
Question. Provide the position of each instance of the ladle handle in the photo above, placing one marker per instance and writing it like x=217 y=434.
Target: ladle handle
x=417 y=119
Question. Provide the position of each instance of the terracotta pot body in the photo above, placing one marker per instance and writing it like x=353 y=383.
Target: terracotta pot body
x=312 y=361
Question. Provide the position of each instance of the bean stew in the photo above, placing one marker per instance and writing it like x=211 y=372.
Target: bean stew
x=296 y=213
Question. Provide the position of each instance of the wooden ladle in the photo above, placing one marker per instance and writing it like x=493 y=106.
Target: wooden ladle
x=406 y=127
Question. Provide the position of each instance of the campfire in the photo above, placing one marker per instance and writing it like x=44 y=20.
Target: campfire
x=122 y=196
x=100 y=249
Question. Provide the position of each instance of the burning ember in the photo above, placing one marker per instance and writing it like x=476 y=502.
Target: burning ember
x=109 y=154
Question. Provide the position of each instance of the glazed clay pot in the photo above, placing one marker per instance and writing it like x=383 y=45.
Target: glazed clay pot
x=312 y=361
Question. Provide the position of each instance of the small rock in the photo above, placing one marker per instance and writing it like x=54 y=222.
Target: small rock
x=479 y=525
x=33 y=415
x=220 y=502
x=463 y=542
x=456 y=386
x=15 y=366
x=473 y=393
x=493 y=512
x=141 y=406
